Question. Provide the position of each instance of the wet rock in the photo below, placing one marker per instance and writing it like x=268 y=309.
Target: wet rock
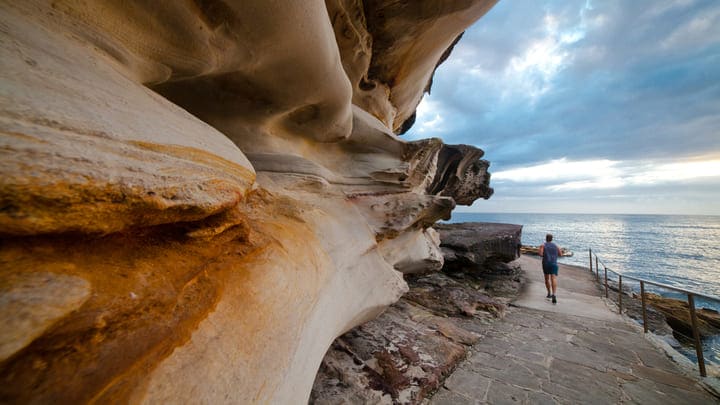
x=666 y=316
x=632 y=307
x=677 y=314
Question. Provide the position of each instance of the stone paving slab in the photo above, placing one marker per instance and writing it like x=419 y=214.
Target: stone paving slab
x=574 y=352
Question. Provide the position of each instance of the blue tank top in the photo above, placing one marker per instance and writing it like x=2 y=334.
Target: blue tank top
x=550 y=253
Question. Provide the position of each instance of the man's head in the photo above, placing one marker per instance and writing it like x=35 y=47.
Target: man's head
x=548 y=238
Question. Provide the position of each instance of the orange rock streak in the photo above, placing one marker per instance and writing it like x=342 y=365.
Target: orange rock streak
x=151 y=288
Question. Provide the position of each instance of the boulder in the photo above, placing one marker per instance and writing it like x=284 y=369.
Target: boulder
x=474 y=246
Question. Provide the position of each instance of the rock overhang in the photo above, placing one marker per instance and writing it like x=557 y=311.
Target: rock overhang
x=271 y=154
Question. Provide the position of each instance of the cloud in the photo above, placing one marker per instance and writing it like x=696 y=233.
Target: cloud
x=562 y=172
x=677 y=172
x=606 y=81
x=695 y=31
x=587 y=87
x=558 y=170
x=596 y=184
x=432 y=119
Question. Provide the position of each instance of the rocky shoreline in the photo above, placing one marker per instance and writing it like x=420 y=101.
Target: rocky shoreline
x=667 y=317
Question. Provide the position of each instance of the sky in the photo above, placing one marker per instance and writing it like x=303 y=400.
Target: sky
x=606 y=106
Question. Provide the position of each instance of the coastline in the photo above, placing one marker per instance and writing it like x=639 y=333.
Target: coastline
x=632 y=244
x=576 y=350
x=475 y=345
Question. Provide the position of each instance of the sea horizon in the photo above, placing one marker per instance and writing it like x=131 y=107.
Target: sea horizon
x=678 y=250
x=619 y=236
x=584 y=213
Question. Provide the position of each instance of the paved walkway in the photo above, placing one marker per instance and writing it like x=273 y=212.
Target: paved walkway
x=577 y=351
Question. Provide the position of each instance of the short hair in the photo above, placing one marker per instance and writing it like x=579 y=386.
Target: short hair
x=548 y=237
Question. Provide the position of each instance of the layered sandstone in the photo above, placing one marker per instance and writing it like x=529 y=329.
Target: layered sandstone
x=198 y=197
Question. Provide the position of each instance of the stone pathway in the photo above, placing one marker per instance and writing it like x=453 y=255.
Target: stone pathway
x=577 y=351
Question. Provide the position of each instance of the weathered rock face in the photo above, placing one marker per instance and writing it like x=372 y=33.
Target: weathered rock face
x=198 y=197
x=461 y=174
x=477 y=245
x=406 y=353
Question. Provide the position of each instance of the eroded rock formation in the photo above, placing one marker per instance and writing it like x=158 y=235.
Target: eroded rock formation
x=198 y=197
x=406 y=353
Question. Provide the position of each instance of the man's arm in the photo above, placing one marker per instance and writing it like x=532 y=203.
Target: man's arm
x=541 y=251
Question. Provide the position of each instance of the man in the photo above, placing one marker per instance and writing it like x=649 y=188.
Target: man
x=550 y=253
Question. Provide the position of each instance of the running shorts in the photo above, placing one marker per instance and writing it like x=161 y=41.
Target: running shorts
x=550 y=268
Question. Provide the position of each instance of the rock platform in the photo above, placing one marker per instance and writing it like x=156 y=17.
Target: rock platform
x=577 y=351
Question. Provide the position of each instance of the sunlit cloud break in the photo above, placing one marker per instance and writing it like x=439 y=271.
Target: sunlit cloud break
x=678 y=172
x=533 y=72
x=565 y=175
x=431 y=121
x=559 y=170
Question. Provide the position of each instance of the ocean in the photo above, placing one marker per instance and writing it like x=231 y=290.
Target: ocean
x=678 y=250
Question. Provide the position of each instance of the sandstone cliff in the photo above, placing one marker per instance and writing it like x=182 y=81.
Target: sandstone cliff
x=198 y=197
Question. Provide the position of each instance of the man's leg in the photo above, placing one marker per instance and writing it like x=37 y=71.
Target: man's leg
x=547 y=283
x=553 y=279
